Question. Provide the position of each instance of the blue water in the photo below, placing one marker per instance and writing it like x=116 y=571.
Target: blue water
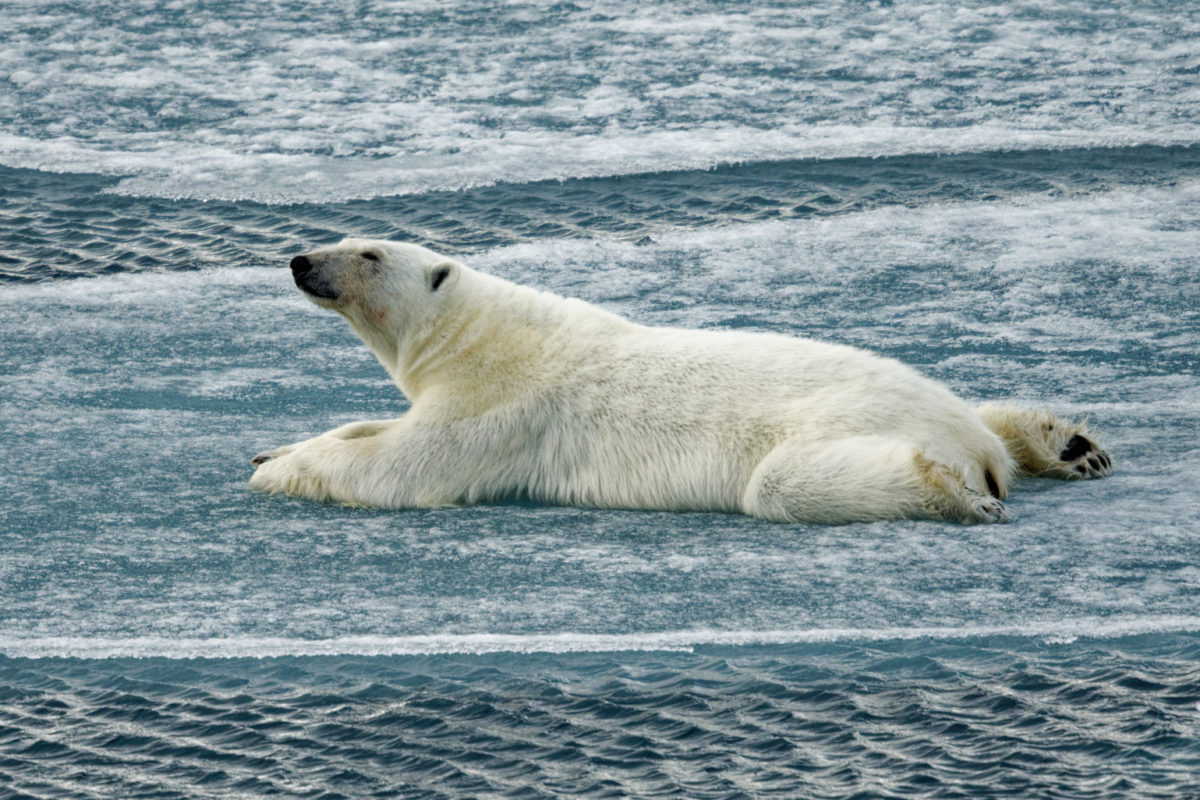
x=1007 y=197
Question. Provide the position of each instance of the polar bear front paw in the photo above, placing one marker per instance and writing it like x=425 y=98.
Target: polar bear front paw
x=284 y=471
x=1083 y=458
x=273 y=474
x=303 y=469
x=271 y=455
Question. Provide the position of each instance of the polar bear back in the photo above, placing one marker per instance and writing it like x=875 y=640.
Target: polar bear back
x=647 y=417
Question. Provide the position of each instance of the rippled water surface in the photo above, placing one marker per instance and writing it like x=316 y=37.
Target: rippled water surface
x=987 y=718
x=1005 y=196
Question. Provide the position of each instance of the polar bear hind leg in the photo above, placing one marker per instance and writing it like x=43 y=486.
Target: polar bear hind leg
x=861 y=479
x=1047 y=446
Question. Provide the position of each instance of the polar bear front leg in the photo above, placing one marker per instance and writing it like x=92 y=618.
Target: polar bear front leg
x=375 y=463
x=393 y=464
x=353 y=430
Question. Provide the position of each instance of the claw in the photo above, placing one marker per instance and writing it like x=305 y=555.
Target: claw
x=992 y=511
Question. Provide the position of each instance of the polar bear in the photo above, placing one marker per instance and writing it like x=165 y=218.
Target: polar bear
x=516 y=392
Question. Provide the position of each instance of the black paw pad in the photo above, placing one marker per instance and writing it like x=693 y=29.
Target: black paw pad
x=1084 y=459
x=1077 y=447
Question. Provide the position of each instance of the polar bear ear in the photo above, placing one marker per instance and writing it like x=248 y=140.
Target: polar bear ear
x=442 y=273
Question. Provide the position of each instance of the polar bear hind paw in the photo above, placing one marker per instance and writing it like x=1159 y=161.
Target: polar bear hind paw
x=946 y=495
x=1083 y=458
x=1047 y=446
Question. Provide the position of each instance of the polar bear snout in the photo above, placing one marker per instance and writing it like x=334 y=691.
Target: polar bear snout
x=311 y=280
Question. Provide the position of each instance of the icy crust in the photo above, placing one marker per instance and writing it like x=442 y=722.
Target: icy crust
x=130 y=406
x=283 y=105
x=1060 y=632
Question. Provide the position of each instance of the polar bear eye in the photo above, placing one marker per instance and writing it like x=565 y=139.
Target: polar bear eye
x=370 y=256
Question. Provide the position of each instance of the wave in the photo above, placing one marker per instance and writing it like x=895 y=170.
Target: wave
x=1053 y=632
x=175 y=170
x=116 y=234
x=995 y=718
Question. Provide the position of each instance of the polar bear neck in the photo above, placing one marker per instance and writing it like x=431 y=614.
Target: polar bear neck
x=494 y=333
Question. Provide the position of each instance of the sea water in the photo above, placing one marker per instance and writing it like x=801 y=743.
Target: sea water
x=1005 y=196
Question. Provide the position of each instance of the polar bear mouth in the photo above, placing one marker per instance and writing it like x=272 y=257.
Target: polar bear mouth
x=310 y=280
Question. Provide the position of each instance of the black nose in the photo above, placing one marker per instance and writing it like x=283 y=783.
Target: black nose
x=300 y=265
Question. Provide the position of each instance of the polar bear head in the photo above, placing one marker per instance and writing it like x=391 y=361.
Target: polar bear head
x=389 y=286
x=362 y=272
x=390 y=292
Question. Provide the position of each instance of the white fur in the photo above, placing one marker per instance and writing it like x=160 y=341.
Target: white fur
x=517 y=392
